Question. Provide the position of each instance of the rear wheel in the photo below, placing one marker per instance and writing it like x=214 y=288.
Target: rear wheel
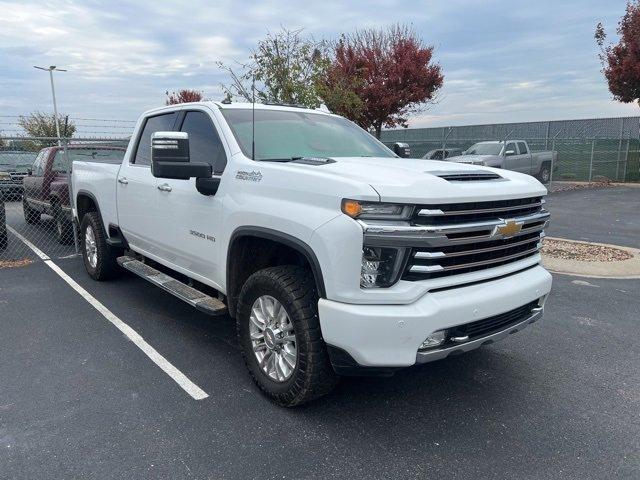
x=279 y=333
x=64 y=227
x=545 y=173
x=99 y=260
x=31 y=216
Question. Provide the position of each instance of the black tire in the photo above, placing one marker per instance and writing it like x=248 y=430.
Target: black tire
x=3 y=227
x=31 y=216
x=295 y=289
x=64 y=228
x=544 y=175
x=106 y=266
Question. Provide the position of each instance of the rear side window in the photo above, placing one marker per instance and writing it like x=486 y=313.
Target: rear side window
x=523 y=147
x=159 y=123
x=204 y=141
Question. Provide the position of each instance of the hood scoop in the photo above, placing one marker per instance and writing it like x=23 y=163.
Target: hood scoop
x=466 y=175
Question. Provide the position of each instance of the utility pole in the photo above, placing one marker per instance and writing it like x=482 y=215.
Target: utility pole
x=50 y=69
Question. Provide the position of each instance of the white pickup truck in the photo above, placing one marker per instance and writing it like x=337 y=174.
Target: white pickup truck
x=334 y=255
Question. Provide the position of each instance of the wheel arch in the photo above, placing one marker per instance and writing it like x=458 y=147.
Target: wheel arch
x=235 y=275
x=86 y=202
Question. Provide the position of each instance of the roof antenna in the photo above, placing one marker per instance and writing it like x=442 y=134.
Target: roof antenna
x=253 y=118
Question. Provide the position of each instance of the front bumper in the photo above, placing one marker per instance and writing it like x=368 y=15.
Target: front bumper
x=390 y=335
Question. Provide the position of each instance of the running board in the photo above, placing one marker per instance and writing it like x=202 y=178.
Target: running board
x=195 y=298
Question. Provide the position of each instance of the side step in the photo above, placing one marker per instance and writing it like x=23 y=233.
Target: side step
x=195 y=298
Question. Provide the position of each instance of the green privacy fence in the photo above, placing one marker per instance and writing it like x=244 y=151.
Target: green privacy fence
x=591 y=149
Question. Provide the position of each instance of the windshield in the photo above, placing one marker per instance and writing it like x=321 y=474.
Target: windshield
x=284 y=135
x=485 y=149
x=17 y=159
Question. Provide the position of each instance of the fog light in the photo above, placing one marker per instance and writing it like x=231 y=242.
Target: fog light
x=434 y=340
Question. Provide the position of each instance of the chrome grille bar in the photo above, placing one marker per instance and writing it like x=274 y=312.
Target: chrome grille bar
x=427 y=230
x=426 y=212
x=435 y=268
x=420 y=255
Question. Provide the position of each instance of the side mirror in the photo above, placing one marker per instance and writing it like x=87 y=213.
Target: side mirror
x=402 y=149
x=510 y=152
x=170 y=157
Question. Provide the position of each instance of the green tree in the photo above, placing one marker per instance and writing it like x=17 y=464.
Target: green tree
x=38 y=124
x=286 y=68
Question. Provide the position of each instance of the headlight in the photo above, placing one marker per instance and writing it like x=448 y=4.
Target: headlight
x=376 y=210
x=381 y=266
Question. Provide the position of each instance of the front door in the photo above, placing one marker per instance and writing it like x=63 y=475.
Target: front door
x=33 y=183
x=138 y=211
x=191 y=222
x=514 y=160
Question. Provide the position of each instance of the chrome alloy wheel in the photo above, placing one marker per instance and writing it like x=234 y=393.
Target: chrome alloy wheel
x=90 y=246
x=272 y=338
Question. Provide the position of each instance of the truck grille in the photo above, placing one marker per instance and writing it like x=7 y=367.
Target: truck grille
x=466 y=237
x=17 y=178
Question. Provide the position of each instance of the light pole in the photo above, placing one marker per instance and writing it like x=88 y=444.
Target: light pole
x=53 y=93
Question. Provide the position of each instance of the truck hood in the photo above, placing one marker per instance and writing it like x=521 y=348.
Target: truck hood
x=419 y=181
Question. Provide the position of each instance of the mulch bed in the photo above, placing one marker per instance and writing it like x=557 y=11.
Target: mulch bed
x=583 y=252
x=570 y=186
x=15 y=263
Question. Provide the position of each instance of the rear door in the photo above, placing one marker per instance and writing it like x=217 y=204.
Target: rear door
x=136 y=193
x=190 y=222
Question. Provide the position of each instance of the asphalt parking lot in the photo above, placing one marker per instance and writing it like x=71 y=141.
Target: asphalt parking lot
x=559 y=400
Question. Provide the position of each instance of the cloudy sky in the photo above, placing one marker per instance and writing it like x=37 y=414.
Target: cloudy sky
x=502 y=60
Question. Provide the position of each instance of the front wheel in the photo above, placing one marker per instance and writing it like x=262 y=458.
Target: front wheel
x=99 y=260
x=64 y=228
x=31 y=216
x=279 y=333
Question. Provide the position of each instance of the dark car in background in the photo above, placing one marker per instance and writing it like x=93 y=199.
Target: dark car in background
x=437 y=154
x=14 y=165
x=46 y=186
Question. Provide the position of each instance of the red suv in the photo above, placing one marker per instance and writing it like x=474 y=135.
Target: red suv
x=46 y=186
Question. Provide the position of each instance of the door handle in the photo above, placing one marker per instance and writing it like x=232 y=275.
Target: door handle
x=164 y=187
x=123 y=180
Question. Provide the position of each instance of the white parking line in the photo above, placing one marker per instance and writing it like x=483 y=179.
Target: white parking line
x=180 y=378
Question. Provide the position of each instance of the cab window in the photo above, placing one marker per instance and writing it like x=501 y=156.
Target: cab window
x=204 y=142
x=38 y=169
x=59 y=162
x=158 y=123
x=522 y=147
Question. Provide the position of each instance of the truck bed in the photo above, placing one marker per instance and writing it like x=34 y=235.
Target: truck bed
x=98 y=180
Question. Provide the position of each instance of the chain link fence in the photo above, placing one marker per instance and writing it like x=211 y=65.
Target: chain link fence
x=587 y=150
x=36 y=193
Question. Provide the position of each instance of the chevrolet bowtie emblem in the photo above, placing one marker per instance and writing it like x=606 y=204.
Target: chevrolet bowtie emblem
x=508 y=229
